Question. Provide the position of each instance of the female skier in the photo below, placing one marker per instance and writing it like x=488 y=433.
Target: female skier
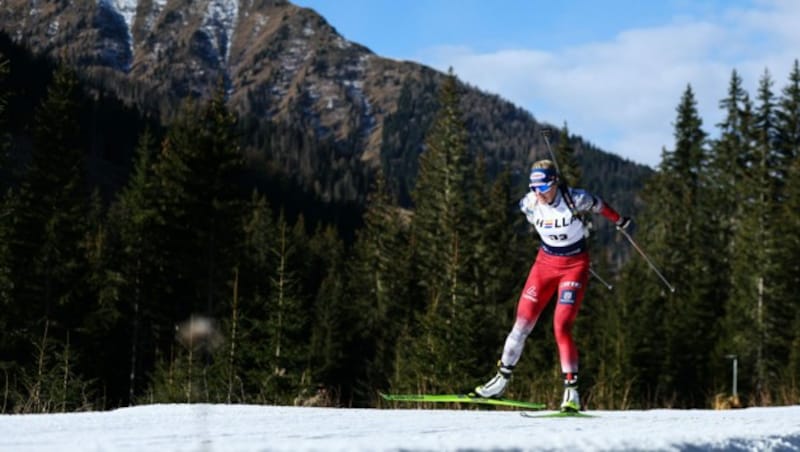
x=561 y=265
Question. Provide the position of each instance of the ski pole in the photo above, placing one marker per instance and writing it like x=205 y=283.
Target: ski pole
x=594 y=273
x=649 y=262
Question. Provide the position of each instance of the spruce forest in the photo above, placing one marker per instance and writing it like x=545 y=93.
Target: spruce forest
x=184 y=285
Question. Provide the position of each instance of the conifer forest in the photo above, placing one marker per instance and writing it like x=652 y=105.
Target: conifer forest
x=187 y=284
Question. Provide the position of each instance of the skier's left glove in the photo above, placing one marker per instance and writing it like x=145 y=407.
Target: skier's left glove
x=623 y=223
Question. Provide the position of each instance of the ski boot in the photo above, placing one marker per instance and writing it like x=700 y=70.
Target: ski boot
x=497 y=385
x=572 y=401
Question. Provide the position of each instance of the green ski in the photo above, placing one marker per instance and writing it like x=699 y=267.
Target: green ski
x=461 y=398
x=558 y=414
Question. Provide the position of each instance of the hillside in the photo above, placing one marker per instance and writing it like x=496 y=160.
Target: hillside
x=317 y=111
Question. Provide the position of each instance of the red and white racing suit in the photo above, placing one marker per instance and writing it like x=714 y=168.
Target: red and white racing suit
x=562 y=265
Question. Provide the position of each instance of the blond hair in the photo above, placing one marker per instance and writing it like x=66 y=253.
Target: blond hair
x=543 y=164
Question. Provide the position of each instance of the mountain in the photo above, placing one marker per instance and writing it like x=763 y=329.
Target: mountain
x=316 y=110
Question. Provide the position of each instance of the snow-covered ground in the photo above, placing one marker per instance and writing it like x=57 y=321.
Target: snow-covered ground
x=211 y=428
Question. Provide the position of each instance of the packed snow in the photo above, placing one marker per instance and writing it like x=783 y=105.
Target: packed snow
x=213 y=428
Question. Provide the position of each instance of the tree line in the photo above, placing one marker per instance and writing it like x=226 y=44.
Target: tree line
x=188 y=285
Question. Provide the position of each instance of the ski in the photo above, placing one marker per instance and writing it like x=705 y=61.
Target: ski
x=461 y=398
x=557 y=414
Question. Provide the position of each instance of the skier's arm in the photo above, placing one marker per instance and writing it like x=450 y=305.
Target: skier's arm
x=584 y=201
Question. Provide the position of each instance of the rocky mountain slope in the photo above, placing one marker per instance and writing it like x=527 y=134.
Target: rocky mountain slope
x=336 y=110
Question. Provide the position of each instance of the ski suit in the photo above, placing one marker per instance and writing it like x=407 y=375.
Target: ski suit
x=561 y=265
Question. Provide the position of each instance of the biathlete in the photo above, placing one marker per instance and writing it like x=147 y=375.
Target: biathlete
x=562 y=266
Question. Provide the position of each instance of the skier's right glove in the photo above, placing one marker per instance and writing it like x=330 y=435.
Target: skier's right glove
x=623 y=223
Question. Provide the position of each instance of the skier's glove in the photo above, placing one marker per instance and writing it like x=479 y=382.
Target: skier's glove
x=623 y=223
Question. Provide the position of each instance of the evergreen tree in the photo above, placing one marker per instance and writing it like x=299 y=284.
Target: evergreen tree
x=331 y=359
x=787 y=119
x=668 y=331
x=442 y=351
x=788 y=278
x=286 y=324
x=788 y=252
x=198 y=210
x=258 y=262
x=383 y=290
x=134 y=218
x=48 y=260
x=747 y=139
x=101 y=288
x=725 y=163
x=773 y=314
x=499 y=259
x=200 y=202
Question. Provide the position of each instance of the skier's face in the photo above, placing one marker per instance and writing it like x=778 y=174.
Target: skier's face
x=546 y=193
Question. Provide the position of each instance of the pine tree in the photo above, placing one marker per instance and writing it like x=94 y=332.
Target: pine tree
x=383 y=290
x=787 y=118
x=198 y=207
x=134 y=218
x=286 y=323
x=774 y=315
x=725 y=166
x=440 y=230
x=48 y=259
x=54 y=201
x=200 y=201
x=748 y=140
x=331 y=335
x=257 y=263
x=790 y=210
x=788 y=278
x=667 y=331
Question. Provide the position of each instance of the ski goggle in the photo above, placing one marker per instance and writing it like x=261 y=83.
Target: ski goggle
x=542 y=188
x=542 y=179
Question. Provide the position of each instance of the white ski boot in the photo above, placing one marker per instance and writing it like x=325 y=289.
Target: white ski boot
x=572 y=401
x=497 y=385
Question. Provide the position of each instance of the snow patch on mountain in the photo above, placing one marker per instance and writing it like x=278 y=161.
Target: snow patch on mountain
x=115 y=22
x=52 y=30
x=126 y=9
x=219 y=23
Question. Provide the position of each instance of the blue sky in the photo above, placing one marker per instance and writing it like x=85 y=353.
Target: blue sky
x=613 y=70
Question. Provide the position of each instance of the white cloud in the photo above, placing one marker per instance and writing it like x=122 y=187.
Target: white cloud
x=621 y=94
